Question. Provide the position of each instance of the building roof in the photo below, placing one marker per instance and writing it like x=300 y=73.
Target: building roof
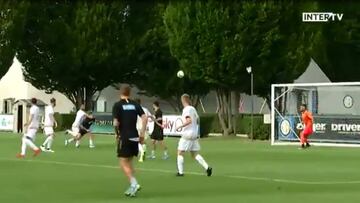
x=28 y=102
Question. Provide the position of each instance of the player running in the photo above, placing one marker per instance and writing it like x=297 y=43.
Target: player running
x=75 y=130
x=125 y=113
x=31 y=128
x=157 y=136
x=307 y=120
x=49 y=125
x=189 y=141
x=142 y=146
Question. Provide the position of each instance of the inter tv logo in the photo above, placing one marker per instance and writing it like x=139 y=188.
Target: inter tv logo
x=321 y=16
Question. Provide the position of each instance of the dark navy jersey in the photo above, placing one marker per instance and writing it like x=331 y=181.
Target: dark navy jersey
x=127 y=112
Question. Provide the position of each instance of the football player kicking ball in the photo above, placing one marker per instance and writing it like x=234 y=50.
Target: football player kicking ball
x=30 y=134
x=189 y=141
x=307 y=120
x=49 y=125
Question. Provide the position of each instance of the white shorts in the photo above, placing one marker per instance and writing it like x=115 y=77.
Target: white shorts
x=48 y=130
x=75 y=129
x=189 y=145
x=31 y=133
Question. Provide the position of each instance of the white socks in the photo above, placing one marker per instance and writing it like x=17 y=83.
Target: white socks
x=180 y=164
x=48 y=142
x=91 y=142
x=201 y=161
x=27 y=143
x=141 y=149
x=133 y=182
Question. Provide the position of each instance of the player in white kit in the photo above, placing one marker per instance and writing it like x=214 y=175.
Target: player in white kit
x=31 y=128
x=142 y=146
x=75 y=129
x=49 y=125
x=189 y=141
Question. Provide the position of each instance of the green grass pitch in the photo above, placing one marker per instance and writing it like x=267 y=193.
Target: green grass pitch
x=243 y=172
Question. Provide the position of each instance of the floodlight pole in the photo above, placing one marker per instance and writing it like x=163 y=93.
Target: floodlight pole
x=249 y=70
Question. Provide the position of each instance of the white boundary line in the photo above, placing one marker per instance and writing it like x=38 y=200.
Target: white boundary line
x=277 y=180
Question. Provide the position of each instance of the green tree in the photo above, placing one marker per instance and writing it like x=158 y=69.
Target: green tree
x=338 y=55
x=156 y=67
x=216 y=41
x=11 y=16
x=76 y=48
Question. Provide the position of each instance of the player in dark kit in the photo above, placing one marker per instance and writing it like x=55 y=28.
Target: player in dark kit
x=157 y=136
x=125 y=113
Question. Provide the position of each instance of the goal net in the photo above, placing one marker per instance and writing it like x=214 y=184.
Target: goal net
x=335 y=107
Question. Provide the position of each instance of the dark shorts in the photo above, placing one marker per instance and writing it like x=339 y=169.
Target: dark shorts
x=127 y=149
x=83 y=132
x=157 y=134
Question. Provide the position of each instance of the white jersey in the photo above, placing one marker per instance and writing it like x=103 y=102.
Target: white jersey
x=191 y=131
x=79 y=115
x=49 y=116
x=34 y=112
x=139 y=122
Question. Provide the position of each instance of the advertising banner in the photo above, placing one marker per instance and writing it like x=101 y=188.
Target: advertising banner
x=6 y=122
x=326 y=129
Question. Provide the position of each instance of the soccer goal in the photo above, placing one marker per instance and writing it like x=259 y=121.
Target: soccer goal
x=335 y=107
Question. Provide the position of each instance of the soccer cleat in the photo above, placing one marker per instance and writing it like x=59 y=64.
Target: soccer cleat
x=91 y=146
x=20 y=156
x=209 y=172
x=134 y=190
x=77 y=146
x=179 y=174
x=42 y=148
x=128 y=191
x=165 y=157
x=66 y=142
x=151 y=157
x=37 y=152
x=308 y=145
x=50 y=150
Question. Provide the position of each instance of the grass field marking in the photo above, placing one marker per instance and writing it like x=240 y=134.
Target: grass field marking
x=190 y=173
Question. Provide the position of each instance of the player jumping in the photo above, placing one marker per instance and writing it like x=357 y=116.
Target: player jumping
x=307 y=120
x=31 y=128
x=49 y=125
x=189 y=141
x=125 y=113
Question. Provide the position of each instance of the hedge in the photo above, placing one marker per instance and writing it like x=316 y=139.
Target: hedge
x=64 y=121
x=209 y=123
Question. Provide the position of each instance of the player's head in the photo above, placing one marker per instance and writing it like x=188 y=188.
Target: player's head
x=33 y=101
x=303 y=107
x=156 y=105
x=82 y=107
x=125 y=91
x=138 y=100
x=185 y=100
x=53 y=102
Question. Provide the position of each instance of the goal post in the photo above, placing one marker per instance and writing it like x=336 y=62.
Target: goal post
x=335 y=107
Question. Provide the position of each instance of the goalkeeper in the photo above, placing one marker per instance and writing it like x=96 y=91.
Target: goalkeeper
x=307 y=121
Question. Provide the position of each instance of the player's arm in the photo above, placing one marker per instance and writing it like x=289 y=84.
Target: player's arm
x=30 y=119
x=140 y=112
x=187 y=122
x=116 y=121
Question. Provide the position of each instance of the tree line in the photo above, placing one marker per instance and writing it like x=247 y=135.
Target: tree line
x=80 y=47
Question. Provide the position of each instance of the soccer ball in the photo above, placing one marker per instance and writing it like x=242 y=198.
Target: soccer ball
x=180 y=74
x=300 y=126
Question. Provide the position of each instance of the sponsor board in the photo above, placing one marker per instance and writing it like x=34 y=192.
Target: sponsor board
x=6 y=122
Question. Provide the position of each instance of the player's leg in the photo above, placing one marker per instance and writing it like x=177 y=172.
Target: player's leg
x=28 y=141
x=194 y=150
x=46 y=146
x=164 y=147
x=153 y=148
x=91 y=140
x=182 y=148
x=74 y=132
x=23 y=148
x=126 y=152
x=302 y=139
x=141 y=151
